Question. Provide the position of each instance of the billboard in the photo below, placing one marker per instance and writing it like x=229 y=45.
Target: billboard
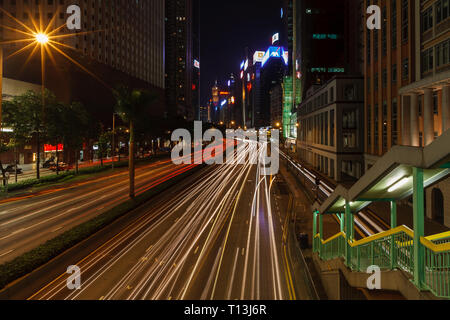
x=258 y=57
x=276 y=52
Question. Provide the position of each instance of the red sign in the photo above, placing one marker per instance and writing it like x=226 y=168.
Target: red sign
x=50 y=148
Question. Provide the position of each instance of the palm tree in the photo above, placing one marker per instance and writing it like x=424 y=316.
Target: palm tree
x=131 y=105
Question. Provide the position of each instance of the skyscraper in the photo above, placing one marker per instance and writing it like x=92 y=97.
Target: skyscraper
x=182 y=58
x=124 y=35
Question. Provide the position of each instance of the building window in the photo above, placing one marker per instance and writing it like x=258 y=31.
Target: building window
x=427 y=19
x=405 y=69
x=442 y=53
x=375 y=44
x=442 y=10
x=376 y=82
x=405 y=20
x=394 y=24
x=385 y=125
x=394 y=122
x=427 y=60
x=384 y=32
x=394 y=73
x=384 y=78
x=435 y=103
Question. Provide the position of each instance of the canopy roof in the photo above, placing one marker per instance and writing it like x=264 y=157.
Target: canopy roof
x=391 y=178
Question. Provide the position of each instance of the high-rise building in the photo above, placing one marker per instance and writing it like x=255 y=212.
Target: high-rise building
x=182 y=58
x=407 y=70
x=328 y=33
x=125 y=35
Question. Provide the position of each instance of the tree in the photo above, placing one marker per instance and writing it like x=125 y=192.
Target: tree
x=76 y=122
x=103 y=145
x=131 y=105
x=25 y=114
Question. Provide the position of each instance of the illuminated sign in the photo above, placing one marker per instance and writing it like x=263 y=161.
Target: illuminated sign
x=224 y=93
x=242 y=74
x=50 y=148
x=258 y=57
x=282 y=13
x=224 y=102
x=286 y=57
x=275 y=38
x=276 y=52
x=246 y=65
x=242 y=65
x=233 y=100
x=197 y=64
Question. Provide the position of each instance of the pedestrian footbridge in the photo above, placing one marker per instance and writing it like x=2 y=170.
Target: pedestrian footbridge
x=403 y=172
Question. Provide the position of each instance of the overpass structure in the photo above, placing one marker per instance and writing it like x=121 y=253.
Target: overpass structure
x=403 y=172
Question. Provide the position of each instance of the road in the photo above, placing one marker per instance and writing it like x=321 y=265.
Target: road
x=26 y=223
x=217 y=235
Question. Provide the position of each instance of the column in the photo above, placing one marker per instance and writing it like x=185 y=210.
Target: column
x=321 y=234
x=406 y=120
x=419 y=229
x=428 y=117
x=348 y=232
x=393 y=226
x=445 y=108
x=414 y=120
x=314 y=230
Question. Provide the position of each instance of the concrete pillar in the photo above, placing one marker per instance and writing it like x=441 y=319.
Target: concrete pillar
x=428 y=117
x=445 y=108
x=419 y=228
x=406 y=120
x=414 y=116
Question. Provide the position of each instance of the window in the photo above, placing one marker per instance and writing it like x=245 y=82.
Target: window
x=384 y=78
x=405 y=20
x=376 y=118
x=394 y=121
x=427 y=60
x=442 y=10
x=394 y=24
x=427 y=19
x=442 y=53
x=376 y=82
x=394 y=73
x=405 y=69
x=384 y=32
x=435 y=103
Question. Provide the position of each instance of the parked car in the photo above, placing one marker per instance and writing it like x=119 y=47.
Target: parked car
x=50 y=162
x=11 y=169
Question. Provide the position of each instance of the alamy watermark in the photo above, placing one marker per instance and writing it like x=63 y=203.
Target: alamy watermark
x=374 y=281
x=251 y=146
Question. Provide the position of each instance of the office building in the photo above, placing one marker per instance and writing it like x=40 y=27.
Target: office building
x=182 y=58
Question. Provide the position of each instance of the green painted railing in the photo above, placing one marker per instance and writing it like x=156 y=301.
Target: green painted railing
x=393 y=249
x=437 y=264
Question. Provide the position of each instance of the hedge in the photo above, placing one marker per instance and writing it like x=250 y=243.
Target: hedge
x=37 y=257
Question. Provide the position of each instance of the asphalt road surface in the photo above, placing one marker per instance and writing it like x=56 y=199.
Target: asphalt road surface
x=26 y=223
x=217 y=235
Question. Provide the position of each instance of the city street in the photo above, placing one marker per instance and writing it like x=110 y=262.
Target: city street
x=218 y=235
x=24 y=224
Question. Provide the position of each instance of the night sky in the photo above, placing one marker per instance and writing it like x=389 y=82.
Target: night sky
x=227 y=27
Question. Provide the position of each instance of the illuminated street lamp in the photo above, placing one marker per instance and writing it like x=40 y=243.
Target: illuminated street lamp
x=41 y=38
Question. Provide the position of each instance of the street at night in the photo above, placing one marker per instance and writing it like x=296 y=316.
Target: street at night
x=238 y=159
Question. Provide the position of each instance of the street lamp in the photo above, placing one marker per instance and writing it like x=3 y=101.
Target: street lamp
x=41 y=38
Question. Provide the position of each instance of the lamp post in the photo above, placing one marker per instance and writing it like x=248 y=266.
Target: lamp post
x=42 y=39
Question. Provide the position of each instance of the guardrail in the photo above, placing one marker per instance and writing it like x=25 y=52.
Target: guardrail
x=390 y=250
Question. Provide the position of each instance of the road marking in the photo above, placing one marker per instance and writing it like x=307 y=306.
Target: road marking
x=6 y=253
x=232 y=274
x=57 y=229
